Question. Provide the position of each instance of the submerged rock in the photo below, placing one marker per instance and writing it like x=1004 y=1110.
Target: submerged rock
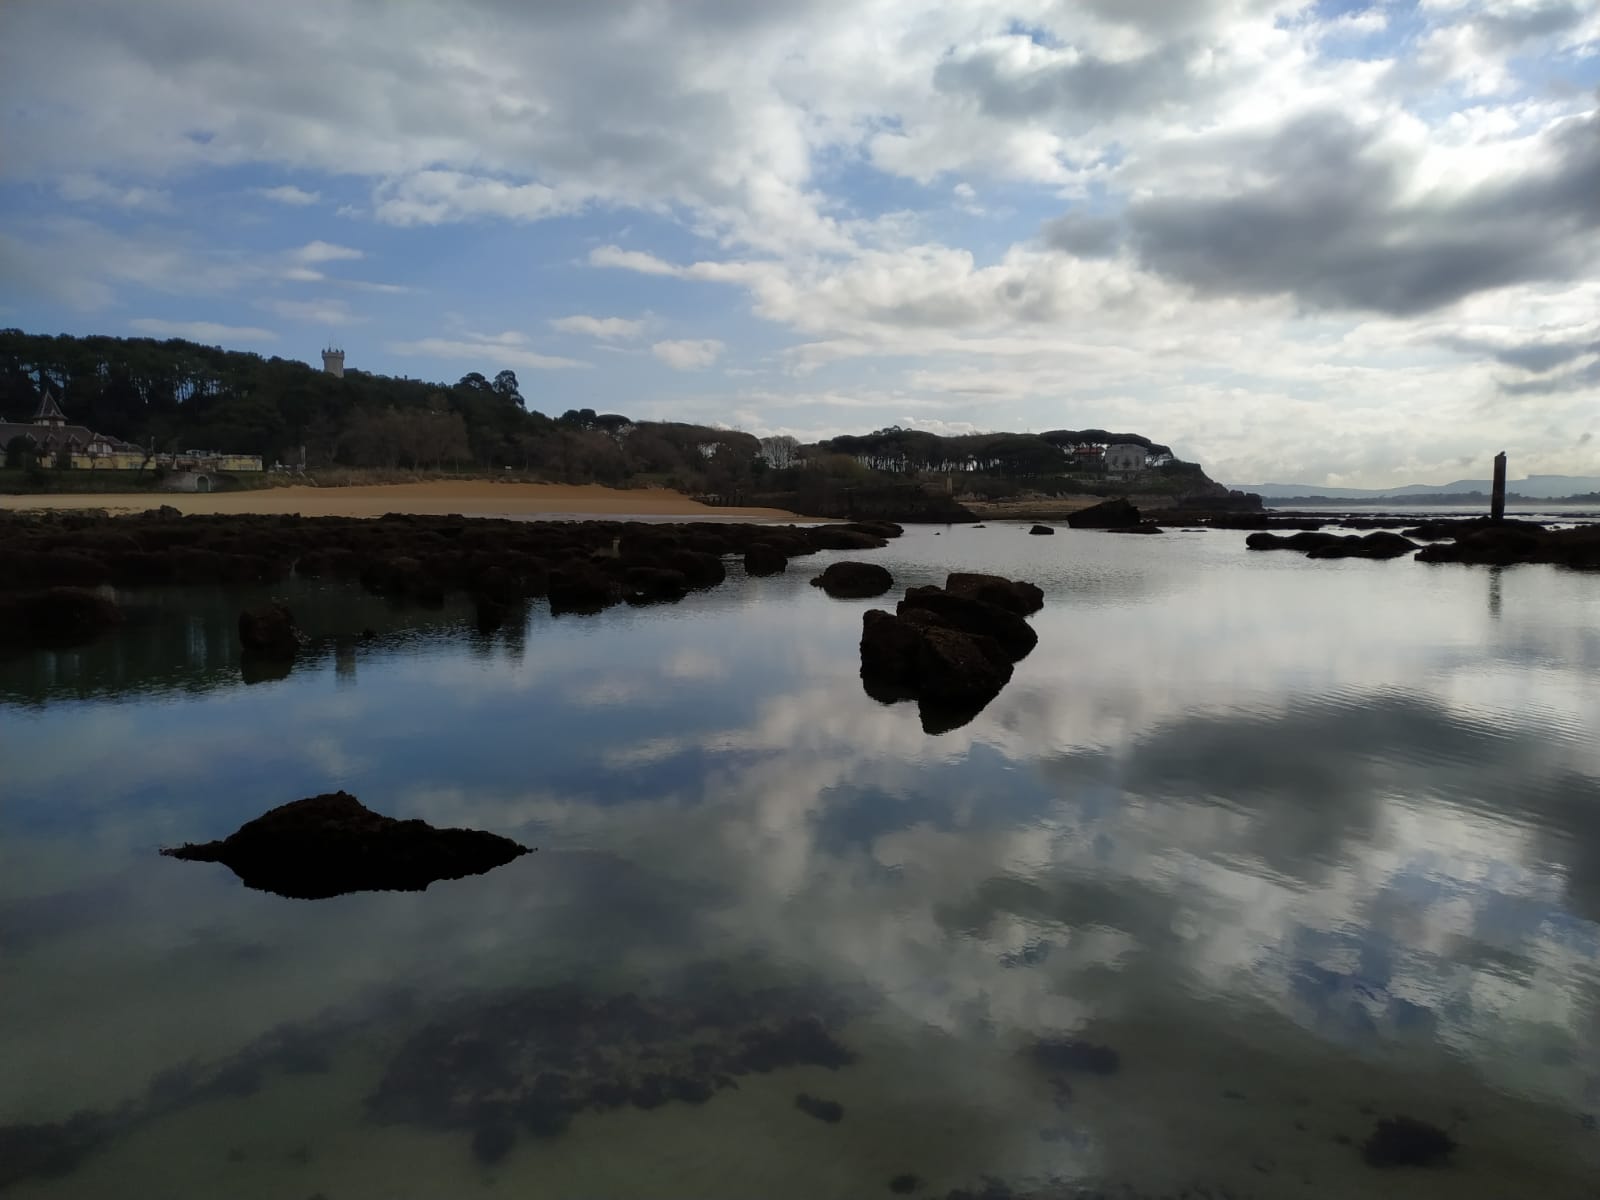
x=854 y=580
x=1406 y=1142
x=333 y=844
x=1041 y=531
x=830 y=1111
x=269 y=632
x=57 y=618
x=1075 y=1054
x=528 y=1060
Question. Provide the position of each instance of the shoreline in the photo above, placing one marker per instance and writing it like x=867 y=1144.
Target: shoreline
x=438 y=498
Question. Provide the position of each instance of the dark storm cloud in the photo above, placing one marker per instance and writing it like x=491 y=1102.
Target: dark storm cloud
x=1586 y=378
x=1082 y=235
x=1325 y=219
x=1086 y=87
x=1534 y=357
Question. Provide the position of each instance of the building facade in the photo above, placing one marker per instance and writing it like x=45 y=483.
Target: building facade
x=1126 y=459
x=55 y=442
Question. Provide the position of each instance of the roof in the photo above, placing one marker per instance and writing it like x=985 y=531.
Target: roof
x=53 y=437
x=48 y=409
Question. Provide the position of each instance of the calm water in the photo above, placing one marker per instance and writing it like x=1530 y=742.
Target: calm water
x=1304 y=842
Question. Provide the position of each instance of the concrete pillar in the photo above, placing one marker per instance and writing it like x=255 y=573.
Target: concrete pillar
x=1497 y=502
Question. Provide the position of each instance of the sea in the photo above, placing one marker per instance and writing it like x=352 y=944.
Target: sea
x=1253 y=854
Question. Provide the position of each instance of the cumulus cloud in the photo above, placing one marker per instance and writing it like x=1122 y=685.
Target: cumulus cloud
x=608 y=328
x=688 y=355
x=315 y=312
x=201 y=331
x=321 y=252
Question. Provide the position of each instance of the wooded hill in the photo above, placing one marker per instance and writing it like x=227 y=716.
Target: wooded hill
x=178 y=395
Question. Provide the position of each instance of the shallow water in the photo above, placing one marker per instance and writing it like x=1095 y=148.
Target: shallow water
x=1306 y=843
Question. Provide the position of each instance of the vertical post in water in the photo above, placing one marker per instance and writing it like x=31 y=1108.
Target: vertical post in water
x=1497 y=502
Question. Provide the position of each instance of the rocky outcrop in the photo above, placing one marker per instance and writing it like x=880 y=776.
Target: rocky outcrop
x=853 y=580
x=581 y=588
x=57 y=618
x=1024 y=599
x=950 y=652
x=764 y=559
x=1512 y=542
x=1111 y=514
x=269 y=632
x=1407 y=1142
x=1041 y=531
x=1379 y=545
x=333 y=844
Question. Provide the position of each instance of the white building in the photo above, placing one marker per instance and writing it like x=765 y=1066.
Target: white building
x=1126 y=459
x=333 y=361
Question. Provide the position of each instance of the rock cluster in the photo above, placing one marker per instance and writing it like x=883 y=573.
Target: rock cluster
x=333 y=844
x=1379 y=544
x=854 y=580
x=951 y=649
x=582 y=566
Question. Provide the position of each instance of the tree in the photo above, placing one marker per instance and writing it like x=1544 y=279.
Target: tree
x=19 y=452
x=780 y=451
x=505 y=386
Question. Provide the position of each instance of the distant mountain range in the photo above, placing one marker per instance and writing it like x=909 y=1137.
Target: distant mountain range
x=1535 y=487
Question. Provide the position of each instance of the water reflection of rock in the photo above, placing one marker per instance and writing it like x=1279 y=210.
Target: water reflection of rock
x=528 y=1060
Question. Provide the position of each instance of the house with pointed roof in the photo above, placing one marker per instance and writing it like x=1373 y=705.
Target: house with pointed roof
x=52 y=438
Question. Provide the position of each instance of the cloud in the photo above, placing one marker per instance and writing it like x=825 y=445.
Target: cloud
x=490 y=354
x=209 y=332
x=631 y=260
x=288 y=194
x=688 y=355
x=90 y=189
x=610 y=328
x=434 y=197
x=1330 y=212
x=320 y=252
x=316 y=312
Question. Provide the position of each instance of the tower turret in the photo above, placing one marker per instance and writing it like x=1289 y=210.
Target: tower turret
x=333 y=361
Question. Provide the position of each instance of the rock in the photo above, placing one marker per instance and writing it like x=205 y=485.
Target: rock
x=978 y=617
x=882 y=529
x=763 y=559
x=582 y=588
x=1014 y=595
x=654 y=585
x=333 y=844
x=1074 y=1054
x=1108 y=515
x=1306 y=540
x=1041 y=531
x=56 y=618
x=1406 y=1142
x=53 y=1150
x=830 y=1111
x=904 y=1185
x=841 y=537
x=951 y=674
x=1143 y=527
x=853 y=580
x=1378 y=545
x=269 y=632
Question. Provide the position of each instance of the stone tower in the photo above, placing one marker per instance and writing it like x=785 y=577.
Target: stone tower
x=333 y=362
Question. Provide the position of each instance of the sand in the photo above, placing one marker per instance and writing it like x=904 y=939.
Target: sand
x=436 y=498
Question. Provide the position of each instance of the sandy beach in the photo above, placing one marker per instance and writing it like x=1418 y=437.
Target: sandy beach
x=437 y=498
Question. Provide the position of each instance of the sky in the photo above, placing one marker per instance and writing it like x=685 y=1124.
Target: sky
x=1334 y=242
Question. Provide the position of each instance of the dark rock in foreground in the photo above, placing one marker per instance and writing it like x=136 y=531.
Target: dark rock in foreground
x=269 y=631
x=333 y=844
x=854 y=580
x=57 y=618
x=948 y=650
x=1041 y=531
x=830 y=1111
x=1407 y=1142
x=1074 y=1054
x=1014 y=595
x=1110 y=514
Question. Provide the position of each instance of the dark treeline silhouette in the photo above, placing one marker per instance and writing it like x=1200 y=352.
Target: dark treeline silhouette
x=177 y=395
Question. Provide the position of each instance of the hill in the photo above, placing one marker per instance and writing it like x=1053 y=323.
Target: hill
x=1534 y=487
x=176 y=395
